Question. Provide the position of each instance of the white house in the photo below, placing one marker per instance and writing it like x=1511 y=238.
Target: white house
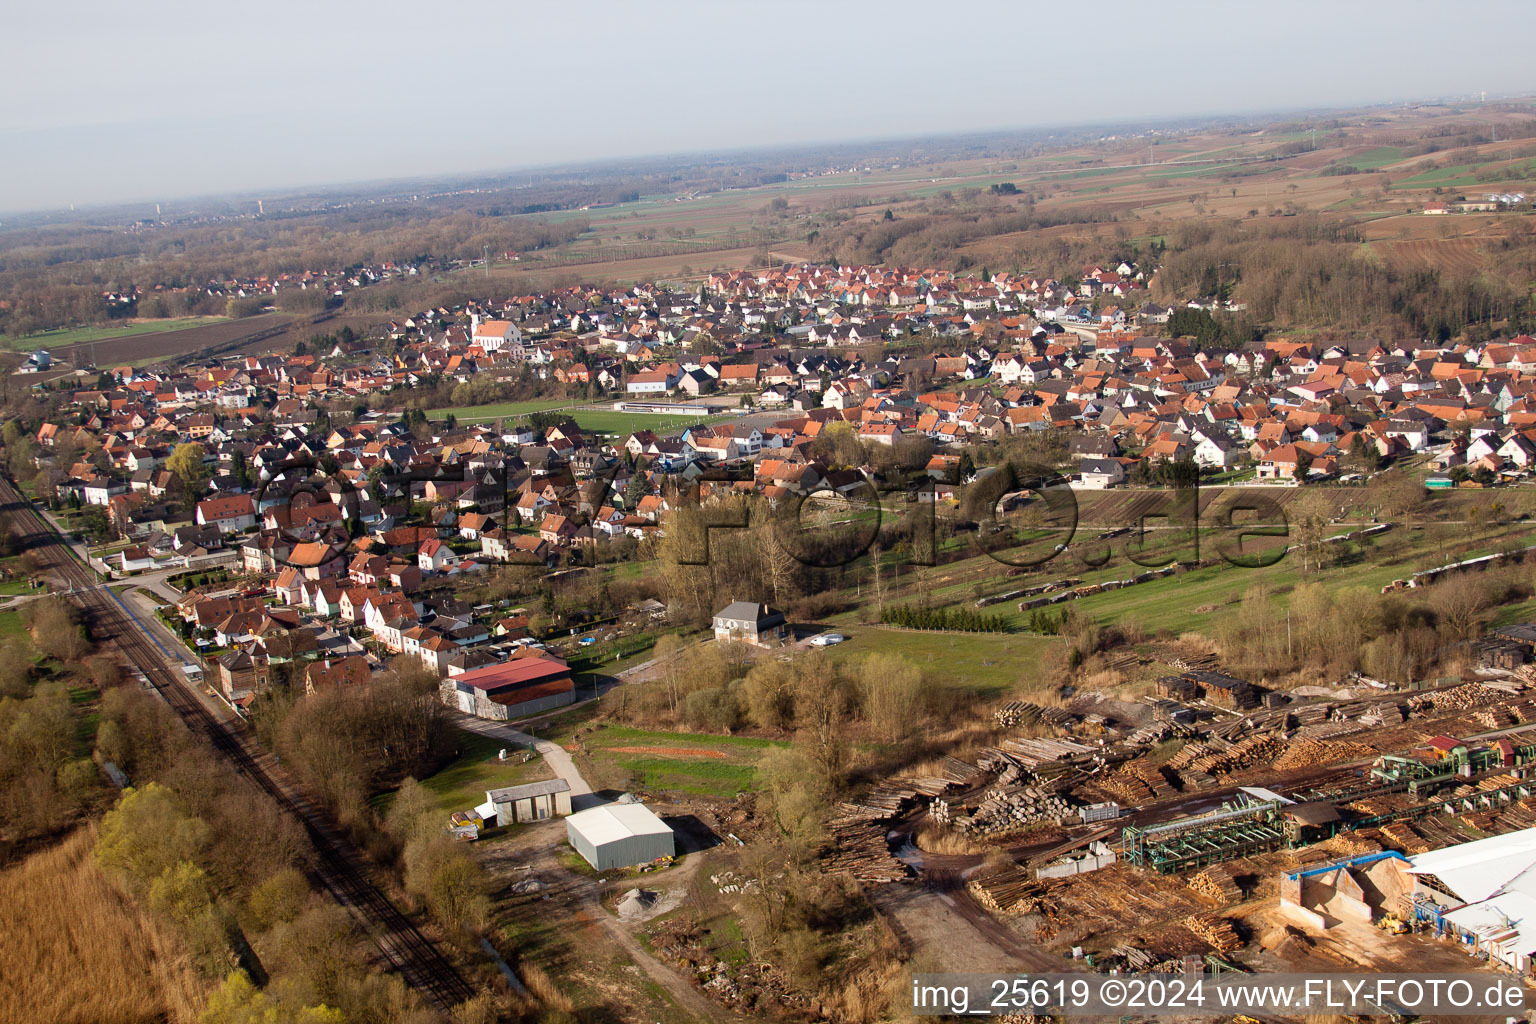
x=497 y=336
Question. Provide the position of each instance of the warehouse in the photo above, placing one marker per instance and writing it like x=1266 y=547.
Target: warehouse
x=535 y=801
x=619 y=835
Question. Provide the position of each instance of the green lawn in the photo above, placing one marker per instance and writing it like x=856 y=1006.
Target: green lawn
x=499 y=410
x=986 y=664
x=463 y=784
x=75 y=335
x=703 y=764
x=609 y=421
x=12 y=628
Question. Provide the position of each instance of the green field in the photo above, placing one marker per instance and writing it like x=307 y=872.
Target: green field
x=463 y=783
x=75 y=335
x=986 y=664
x=702 y=764
x=1374 y=158
x=608 y=421
x=499 y=410
x=1470 y=174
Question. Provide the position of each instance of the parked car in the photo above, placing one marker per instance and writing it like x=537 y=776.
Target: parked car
x=828 y=639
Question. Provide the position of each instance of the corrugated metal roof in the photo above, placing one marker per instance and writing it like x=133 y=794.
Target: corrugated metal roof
x=613 y=822
x=508 y=794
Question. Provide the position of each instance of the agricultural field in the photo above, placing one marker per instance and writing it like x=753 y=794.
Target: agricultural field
x=65 y=337
x=1456 y=255
x=152 y=346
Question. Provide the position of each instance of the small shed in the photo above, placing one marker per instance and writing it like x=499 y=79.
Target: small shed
x=535 y=801
x=619 y=836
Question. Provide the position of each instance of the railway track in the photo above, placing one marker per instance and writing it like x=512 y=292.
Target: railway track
x=336 y=865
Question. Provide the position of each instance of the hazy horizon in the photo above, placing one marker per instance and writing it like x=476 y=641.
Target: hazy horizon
x=178 y=101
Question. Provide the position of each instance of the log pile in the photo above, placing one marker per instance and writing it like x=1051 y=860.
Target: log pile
x=1032 y=753
x=859 y=849
x=952 y=772
x=1137 y=783
x=1403 y=837
x=1354 y=844
x=1009 y=891
x=1467 y=697
x=1254 y=752
x=1215 y=931
x=885 y=800
x=1186 y=756
x=1302 y=753
x=1003 y=810
x=1136 y=958
x=1216 y=886
x=1016 y=713
x=1385 y=713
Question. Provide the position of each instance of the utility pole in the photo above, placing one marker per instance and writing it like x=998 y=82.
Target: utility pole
x=487 y=251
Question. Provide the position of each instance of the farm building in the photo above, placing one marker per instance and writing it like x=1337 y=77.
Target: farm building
x=535 y=801
x=749 y=622
x=511 y=689
x=619 y=835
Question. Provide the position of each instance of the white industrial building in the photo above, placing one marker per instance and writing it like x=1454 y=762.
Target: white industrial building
x=619 y=835
x=1484 y=893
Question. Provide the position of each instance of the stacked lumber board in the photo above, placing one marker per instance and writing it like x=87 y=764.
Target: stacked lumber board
x=1009 y=891
x=1216 y=886
x=1215 y=931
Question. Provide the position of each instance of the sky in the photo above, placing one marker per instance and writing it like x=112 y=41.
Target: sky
x=105 y=101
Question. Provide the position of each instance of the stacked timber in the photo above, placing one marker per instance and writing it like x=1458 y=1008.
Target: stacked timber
x=1402 y=836
x=1031 y=752
x=1009 y=891
x=1254 y=752
x=1059 y=717
x=1016 y=713
x=1005 y=810
x=1215 y=931
x=1384 y=713
x=1186 y=756
x=1332 y=729
x=1500 y=716
x=1302 y=753
x=1136 y=958
x=1467 y=697
x=1216 y=886
x=886 y=800
x=859 y=849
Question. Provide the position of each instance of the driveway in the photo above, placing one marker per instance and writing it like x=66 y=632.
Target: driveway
x=556 y=756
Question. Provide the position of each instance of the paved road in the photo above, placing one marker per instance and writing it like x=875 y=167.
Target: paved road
x=557 y=756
